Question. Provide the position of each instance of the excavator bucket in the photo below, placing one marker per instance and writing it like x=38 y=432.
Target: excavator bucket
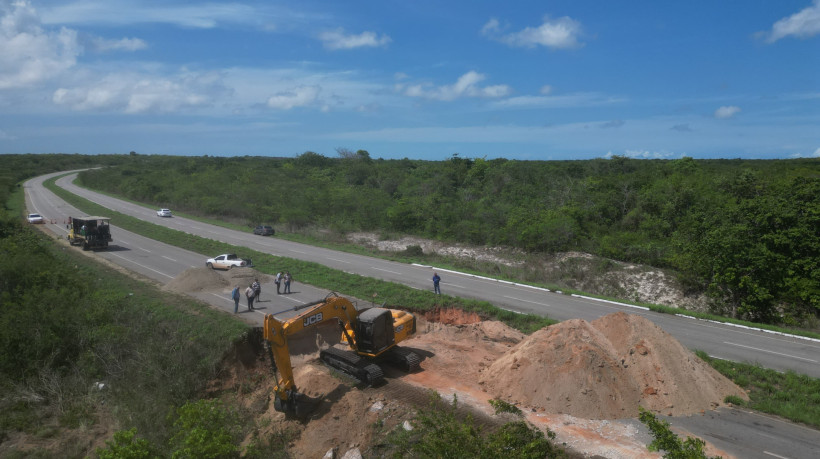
x=298 y=405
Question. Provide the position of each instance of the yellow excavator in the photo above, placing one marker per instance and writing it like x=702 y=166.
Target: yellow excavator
x=372 y=335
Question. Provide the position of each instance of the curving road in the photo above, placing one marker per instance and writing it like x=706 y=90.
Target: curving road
x=162 y=262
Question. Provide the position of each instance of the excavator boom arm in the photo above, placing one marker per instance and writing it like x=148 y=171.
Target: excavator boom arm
x=277 y=332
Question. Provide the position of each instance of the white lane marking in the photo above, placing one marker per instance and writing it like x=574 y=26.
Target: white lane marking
x=142 y=266
x=611 y=302
x=222 y=297
x=297 y=251
x=775 y=455
x=526 y=301
x=340 y=261
x=385 y=270
x=144 y=250
x=770 y=352
x=729 y=324
x=500 y=281
x=452 y=285
x=168 y=258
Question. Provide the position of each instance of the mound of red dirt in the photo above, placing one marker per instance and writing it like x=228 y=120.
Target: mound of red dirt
x=606 y=369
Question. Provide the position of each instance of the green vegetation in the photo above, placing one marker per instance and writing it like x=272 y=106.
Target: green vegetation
x=666 y=440
x=82 y=344
x=793 y=396
x=78 y=338
x=441 y=431
x=505 y=407
x=745 y=232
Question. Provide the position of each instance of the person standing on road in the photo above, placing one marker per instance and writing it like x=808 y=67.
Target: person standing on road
x=257 y=290
x=249 y=295
x=235 y=298
x=288 y=279
x=436 y=280
x=278 y=281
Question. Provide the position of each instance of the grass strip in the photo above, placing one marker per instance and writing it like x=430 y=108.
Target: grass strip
x=791 y=395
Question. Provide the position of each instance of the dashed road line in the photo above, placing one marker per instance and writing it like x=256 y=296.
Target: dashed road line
x=386 y=270
x=526 y=301
x=142 y=266
x=770 y=352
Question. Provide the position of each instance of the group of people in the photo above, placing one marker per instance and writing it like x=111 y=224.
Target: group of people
x=254 y=290
x=283 y=280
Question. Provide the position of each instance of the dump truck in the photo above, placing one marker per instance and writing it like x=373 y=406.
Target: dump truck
x=89 y=232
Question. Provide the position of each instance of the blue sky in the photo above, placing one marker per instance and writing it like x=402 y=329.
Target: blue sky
x=543 y=80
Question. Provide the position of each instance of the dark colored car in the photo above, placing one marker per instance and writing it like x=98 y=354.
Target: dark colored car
x=263 y=230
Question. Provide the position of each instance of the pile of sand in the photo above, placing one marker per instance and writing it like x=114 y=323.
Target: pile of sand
x=606 y=369
x=204 y=279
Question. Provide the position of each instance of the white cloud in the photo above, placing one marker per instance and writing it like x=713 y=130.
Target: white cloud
x=491 y=27
x=816 y=153
x=727 y=111
x=122 y=12
x=124 y=44
x=136 y=93
x=29 y=54
x=545 y=90
x=586 y=99
x=296 y=97
x=466 y=86
x=561 y=33
x=645 y=154
x=337 y=39
x=804 y=24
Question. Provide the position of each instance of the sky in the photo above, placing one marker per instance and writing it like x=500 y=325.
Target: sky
x=528 y=80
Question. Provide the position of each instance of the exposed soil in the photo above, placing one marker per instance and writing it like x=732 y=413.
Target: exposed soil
x=580 y=379
x=204 y=279
x=569 y=270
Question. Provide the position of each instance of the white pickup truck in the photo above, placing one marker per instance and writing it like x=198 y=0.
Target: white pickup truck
x=228 y=261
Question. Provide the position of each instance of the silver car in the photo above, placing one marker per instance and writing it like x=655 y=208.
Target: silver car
x=35 y=219
x=164 y=213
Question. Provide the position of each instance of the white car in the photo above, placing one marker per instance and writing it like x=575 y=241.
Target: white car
x=164 y=213
x=227 y=261
x=35 y=218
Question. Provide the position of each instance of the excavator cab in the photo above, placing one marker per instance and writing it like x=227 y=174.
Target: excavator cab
x=374 y=331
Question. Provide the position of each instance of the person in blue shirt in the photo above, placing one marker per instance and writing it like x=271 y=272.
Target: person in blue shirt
x=436 y=280
x=235 y=297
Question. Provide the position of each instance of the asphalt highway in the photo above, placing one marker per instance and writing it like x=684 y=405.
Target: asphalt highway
x=162 y=262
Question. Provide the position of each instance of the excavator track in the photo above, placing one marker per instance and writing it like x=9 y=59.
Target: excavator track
x=353 y=365
x=405 y=359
